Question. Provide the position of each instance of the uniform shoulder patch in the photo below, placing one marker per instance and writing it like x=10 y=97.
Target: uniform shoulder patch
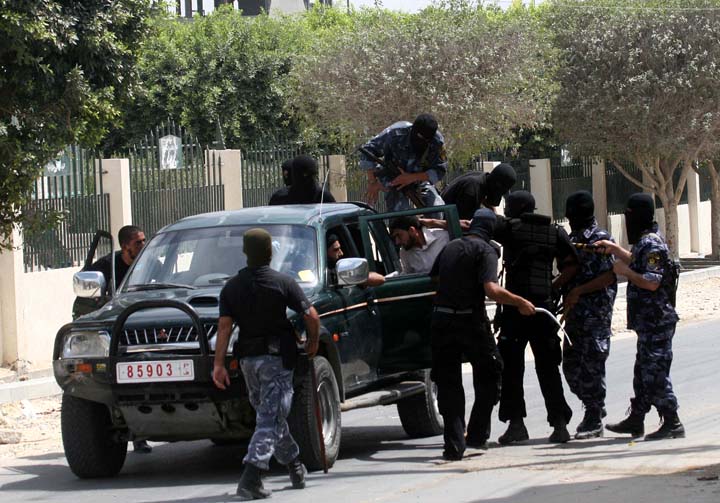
x=654 y=260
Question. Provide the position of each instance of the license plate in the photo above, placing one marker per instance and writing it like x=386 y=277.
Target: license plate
x=155 y=371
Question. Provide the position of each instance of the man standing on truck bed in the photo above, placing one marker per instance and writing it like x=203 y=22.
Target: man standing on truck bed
x=256 y=300
x=417 y=152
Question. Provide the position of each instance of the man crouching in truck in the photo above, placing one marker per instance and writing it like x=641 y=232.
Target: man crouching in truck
x=256 y=300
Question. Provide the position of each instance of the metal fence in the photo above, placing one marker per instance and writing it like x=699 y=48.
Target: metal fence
x=70 y=185
x=620 y=188
x=566 y=179
x=172 y=177
x=705 y=183
x=261 y=168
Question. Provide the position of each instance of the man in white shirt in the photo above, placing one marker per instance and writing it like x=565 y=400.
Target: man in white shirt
x=419 y=244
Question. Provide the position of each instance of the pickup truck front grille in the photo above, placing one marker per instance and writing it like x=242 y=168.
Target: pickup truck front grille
x=167 y=335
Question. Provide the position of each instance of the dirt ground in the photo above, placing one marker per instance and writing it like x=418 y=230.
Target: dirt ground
x=33 y=426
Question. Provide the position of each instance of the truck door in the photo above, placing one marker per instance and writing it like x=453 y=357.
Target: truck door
x=404 y=302
x=353 y=318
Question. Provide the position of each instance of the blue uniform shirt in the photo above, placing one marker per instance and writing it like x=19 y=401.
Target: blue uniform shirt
x=649 y=311
x=594 y=309
x=393 y=144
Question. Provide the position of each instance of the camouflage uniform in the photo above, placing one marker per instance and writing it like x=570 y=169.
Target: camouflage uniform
x=588 y=324
x=653 y=318
x=270 y=389
x=393 y=144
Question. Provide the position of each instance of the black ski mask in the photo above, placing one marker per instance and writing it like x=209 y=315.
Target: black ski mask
x=580 y=210
x=519 y=202
x=639 y=215
x=483 y=223
x=498 y=182
x=286 y=172
x=304 y=187
x=422 y=132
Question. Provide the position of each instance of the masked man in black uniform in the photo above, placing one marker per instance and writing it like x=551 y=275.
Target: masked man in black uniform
x=281 y=194
x=472 y=190
x=304 y=188
x=531 y=244
x=467 y=271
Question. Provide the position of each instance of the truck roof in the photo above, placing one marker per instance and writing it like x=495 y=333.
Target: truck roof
x=306 y=214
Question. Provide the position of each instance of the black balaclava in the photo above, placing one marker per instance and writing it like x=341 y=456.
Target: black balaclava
x=257 y=245
x=580 y=210
x=483 y=223
x=304 y=188
x=519 y=202
x=498 y=182
x=287 y=172
x=639 y=215
x=422 y=132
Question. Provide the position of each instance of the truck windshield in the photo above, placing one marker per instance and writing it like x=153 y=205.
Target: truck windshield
x=209 y=257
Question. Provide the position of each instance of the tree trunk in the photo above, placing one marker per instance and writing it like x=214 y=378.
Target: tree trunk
x=715 y=215
x=671 y=225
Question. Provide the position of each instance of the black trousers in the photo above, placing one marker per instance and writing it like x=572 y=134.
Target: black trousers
x=454 y=338
x=540 y=331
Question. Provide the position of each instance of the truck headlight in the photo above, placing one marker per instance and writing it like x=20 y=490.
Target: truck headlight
x=95 y=344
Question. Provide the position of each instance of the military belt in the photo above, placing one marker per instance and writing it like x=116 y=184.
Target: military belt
x=450 y=310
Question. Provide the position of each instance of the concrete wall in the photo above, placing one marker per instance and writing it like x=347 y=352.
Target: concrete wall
x=46 y=300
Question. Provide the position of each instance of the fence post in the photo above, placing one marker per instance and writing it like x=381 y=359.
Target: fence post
x=338 y=177
x=541 y=184
x=599 y=192
x=12 y=273
x=116 y=183
x=231 y=162
x=693 y=188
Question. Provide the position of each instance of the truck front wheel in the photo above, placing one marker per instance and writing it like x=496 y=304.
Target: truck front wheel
x=89 y=441
x=303 y=422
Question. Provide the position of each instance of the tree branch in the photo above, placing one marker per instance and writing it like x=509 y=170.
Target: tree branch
x=627 y=175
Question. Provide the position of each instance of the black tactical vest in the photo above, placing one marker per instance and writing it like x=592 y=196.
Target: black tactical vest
x=529 y=252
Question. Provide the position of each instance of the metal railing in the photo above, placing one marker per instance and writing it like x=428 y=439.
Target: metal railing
x=172 y=177
x=72 y=186
x=566 y=179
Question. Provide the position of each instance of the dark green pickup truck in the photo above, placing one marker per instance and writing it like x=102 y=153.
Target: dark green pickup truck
x=140 y=366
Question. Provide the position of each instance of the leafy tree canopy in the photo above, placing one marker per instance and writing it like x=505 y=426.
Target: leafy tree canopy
x=481 y=71
x=639 y=85
x=64 y=65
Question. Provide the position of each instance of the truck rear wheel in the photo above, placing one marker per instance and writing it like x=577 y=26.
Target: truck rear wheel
x=302 y=420
x=419 y=414
x=89 y=440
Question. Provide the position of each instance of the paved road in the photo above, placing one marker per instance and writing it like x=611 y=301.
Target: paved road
x=378 y=463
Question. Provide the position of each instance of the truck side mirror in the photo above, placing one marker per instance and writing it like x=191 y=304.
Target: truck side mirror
x=89 y=284
x=352 y=271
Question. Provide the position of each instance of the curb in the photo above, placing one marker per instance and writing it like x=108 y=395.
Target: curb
x=27 y=390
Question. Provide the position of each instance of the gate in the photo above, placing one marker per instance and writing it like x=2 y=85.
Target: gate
x=172 y=177
x=566 y=179
x=72 y=186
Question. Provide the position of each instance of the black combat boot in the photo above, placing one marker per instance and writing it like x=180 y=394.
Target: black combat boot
x=251 y=486
x=516 y=432
x=591 y=425
x=560 y=434
x=297 y=472
x=671 y=428
x=634 y=424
